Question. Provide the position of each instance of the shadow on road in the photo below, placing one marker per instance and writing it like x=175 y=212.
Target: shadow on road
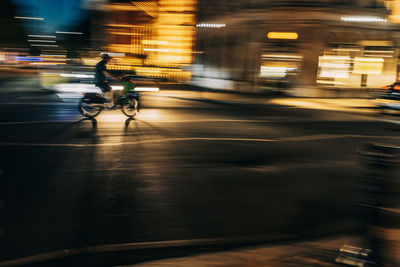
x=93 y=120
x=83 y=131
x=127 y=122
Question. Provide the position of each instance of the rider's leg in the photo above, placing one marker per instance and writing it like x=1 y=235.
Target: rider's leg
x=117 y=94
x=108 y=94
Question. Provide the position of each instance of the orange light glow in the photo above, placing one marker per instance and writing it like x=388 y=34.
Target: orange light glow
x=283 y=35
x=160 y=35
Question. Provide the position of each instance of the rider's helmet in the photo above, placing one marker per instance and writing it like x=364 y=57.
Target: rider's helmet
x=105 y=56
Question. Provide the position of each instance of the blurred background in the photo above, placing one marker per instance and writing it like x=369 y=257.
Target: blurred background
x=250 y=46
x=261 y=128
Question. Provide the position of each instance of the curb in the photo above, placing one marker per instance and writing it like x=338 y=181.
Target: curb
x=201 y=244
x=247 y=105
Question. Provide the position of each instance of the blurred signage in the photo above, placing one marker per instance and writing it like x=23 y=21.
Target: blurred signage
x=364 y=65
x=283 y=35
x=334 y=66
x=376 y=43
x=276 y=71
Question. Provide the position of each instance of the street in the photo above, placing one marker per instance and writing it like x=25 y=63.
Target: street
x=181 y=170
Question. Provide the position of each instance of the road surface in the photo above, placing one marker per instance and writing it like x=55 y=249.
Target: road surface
x=181 y=170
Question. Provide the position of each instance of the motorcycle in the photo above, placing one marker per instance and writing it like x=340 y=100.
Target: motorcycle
x=92 y=104
x=388 y=97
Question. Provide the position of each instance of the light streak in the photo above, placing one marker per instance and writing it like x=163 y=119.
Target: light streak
x=210 y=25
x=41 y=36
x=363 y=19
x=283 y=35
x=44 y=45
x=59 y=32
x=155 y=50
x=43 y=41
x=31 y=18
x=147 y=89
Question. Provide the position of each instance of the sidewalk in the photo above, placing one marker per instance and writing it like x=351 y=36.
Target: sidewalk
x=321 y=253
x=346 y=99
x=325 y=252
x=358 y=105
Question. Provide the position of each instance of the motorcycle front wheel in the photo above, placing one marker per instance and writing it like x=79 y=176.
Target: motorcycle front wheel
x=89 y=111
x=130 y=107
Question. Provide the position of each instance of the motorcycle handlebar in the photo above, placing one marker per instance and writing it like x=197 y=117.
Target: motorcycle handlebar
x=136 y=81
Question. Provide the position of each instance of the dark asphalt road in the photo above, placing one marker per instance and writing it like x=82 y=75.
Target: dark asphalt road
x=181 y=170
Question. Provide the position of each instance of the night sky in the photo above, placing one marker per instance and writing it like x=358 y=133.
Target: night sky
x=58 y=14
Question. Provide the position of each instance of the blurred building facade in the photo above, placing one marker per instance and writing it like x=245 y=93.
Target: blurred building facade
x=154 y=38
x=394 y=6
x=258 y=45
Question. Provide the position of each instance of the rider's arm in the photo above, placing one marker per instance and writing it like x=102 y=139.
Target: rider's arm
x=106 y=73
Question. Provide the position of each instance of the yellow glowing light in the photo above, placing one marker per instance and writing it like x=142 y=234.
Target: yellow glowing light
x=156 y=50
x=154 y=42
x=395 y=17
x=368 y=65
x=335 y=58
x=176 y=19
x=127 y=33
x=177 y=5
x=90 y=61
x=369 y=59
x=125 y=25
x=122 y=7
x=166 y=35
x=283 y=35
x=329 y=82
x=149 y=8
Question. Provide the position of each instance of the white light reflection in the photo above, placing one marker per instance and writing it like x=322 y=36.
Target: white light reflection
x=210 y=25
x=75 y=88
x=155 y=50
x=73 y=75
x=147 y=89
x=363 y=19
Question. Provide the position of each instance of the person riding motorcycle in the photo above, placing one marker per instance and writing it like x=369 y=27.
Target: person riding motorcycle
x=101 y=81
